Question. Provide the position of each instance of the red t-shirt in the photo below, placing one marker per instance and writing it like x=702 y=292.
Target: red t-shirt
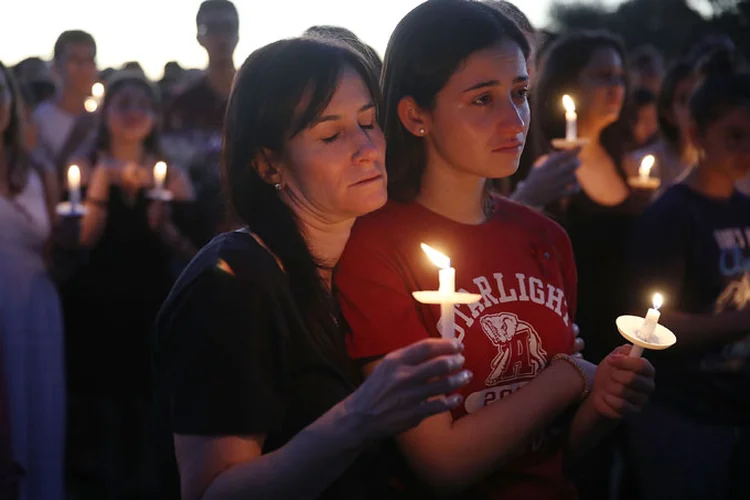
x=520 y=262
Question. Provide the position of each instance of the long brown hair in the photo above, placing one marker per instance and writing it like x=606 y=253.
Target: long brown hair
x=118 y=81
x=13 y=146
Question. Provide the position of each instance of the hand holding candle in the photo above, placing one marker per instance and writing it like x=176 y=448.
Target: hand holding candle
x=446 y=294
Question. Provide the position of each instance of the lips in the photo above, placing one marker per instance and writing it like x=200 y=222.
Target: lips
x=368 y=179
x=508 y=147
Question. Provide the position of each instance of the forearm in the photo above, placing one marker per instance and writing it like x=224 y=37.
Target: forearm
x=93 y=223
x=301 y=469
x=494 y=433
x=588 y=427
x=697 y=330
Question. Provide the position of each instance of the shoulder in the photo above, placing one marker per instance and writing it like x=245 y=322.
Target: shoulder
x=185 y=96
x=383 y=226
x=672 y=203
x=527 y=220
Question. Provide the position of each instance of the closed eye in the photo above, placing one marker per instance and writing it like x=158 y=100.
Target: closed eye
x=329 y=140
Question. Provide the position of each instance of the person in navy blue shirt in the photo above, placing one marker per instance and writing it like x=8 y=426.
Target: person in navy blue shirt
x=693 y=245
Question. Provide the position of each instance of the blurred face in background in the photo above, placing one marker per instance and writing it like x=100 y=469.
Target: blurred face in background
x=218 y=33
x=680 y=112
x=725 y=144
x=77 y=68
x=131 y=113
x=602 y=82
x=646 y=125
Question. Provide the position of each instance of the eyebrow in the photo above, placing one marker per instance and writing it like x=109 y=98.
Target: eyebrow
x=495 y=83
x=330 y=118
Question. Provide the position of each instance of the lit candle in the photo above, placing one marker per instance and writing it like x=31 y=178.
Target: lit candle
x=97 y=90
x=644 y=171
x=74 y=186
x=651 y=320
x=160 y=174
x=447 y=288
x=90 y=104
x=571 y=118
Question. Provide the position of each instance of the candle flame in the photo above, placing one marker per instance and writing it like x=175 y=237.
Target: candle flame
x=440 y=260
x=90 y=104
x=160 y=170
x=97 y=90
x=568 y=103
x=74 y=174
x=646 y=165
x=658 y=301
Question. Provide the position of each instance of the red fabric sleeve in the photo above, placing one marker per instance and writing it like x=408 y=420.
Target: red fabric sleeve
x=375 y=299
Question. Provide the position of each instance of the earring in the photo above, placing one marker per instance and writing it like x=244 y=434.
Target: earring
x=421 y=131
x=277 y=186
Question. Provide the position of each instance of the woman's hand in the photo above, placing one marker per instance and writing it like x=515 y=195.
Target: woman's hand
x=159 y=215
x=551 y=178
x=622 y=385
x=408 y=386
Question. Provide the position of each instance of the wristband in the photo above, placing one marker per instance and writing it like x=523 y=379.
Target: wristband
x=587 y=382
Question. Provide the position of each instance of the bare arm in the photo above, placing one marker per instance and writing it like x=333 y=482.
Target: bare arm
x=437 y=447
x=97 y=197
x=408 y=388
x=213 y=468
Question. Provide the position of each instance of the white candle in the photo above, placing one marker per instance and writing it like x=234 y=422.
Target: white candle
x=447 y=287
x=74 y=186
x=644 y=171
x=651 y=320
x=571 y=118
x=160 y=174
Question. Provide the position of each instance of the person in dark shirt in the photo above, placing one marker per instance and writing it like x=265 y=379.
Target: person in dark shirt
x=257 y=395
x=194 y=117
x=693 y=245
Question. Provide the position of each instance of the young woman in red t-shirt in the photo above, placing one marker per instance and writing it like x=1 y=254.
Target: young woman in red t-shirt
x=455 y=115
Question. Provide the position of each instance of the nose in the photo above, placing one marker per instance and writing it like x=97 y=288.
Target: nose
x=511 y=119
x=367 y=150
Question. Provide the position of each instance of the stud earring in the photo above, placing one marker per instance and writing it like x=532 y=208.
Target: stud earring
x=277 y=186
x=421 y=131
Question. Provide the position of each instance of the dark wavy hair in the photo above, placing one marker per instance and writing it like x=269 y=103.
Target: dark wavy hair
x=425 y=49
x=278 y=92
x=118 y=81
x=17 y=156
x=724 y=88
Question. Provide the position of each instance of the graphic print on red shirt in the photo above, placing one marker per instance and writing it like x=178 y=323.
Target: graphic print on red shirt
x=522 y=265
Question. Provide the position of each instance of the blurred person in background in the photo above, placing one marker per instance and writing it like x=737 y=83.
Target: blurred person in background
x=646 y=68
x=643 y=118
x=63 y=123
x=111 y=303
x=31 y=324
x=35 y=74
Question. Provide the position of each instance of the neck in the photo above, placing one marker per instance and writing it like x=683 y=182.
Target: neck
x=590 y=131
x=126 y=151
x=71 y=102
x=220 y=75
x=451 y=193
x=689 y=155
x=326 y=239
x=709 y=182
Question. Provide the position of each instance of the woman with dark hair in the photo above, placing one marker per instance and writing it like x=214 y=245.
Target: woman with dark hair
x=674 y=152
x=698 y=249
x=114 y=298
x=31 y=328
x=455 y=115
x=551 y=177
x=348 y=37
x=257 y=395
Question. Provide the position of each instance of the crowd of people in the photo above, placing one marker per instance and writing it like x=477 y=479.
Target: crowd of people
x=243 y=324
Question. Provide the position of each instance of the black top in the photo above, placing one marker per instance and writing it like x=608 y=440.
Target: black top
x=696 y=250
x=112 y=301
x=233 y=357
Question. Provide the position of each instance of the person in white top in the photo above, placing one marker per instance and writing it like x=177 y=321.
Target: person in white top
x=75 y=66
x=31 y=325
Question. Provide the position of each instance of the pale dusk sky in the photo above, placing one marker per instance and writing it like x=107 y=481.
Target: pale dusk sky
x=156 y=31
